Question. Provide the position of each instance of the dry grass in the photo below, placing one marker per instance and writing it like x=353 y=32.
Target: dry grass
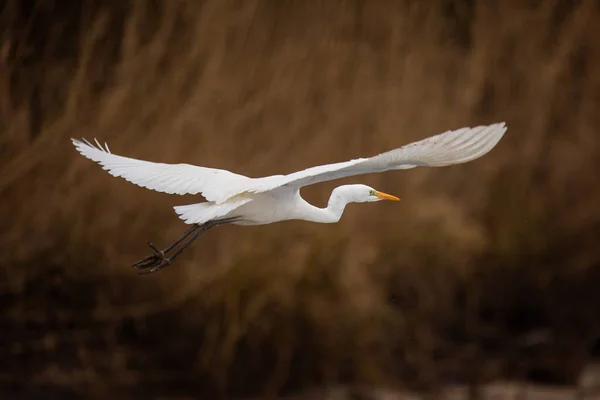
x=477 y=262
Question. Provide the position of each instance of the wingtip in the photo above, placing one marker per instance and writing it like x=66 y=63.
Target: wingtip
x=497 y=127
x=503 y=127
x=499 y=124
x=86 y=143
x=77 y=143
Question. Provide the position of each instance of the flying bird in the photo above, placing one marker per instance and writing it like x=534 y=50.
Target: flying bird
x=241 y=200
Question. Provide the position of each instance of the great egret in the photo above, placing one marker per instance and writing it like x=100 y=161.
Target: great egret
x=240 y=200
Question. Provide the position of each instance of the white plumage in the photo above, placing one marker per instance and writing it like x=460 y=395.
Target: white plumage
x=253 y=201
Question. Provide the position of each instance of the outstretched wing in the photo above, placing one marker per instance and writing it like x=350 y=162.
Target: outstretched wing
x=166 y=178
x=448 y=148
x=217 y=185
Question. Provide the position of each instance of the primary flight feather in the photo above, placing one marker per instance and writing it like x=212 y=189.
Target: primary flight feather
x=238 y=199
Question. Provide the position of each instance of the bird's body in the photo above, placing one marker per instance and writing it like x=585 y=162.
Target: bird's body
x=247 y=209
x=282 y=205
x=237 y=199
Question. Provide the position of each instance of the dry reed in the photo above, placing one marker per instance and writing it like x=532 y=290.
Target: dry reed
x=486 y=269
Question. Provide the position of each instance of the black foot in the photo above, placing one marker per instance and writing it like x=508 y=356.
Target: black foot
x=154 y=262
x=158 y=260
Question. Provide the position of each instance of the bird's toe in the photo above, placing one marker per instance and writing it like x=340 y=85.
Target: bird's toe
x=156 y=250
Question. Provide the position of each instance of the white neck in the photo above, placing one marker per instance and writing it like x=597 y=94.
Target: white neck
x=334 y=210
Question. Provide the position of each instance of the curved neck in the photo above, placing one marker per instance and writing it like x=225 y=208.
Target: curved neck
x=334 y=210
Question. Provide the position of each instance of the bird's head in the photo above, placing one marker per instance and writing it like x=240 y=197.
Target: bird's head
x=365 y=194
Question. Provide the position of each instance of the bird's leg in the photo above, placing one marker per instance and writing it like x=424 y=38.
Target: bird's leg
x=158 y=261
x=161 y=253
x=164 y=261
x=159 y=256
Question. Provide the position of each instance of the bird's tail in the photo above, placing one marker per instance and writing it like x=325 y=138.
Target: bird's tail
x=200 y=213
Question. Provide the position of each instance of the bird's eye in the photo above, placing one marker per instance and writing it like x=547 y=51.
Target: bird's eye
x=371 y=193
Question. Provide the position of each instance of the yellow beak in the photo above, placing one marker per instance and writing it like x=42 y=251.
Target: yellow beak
x=386 y=196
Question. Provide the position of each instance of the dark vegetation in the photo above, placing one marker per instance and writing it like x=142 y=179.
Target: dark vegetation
x=484 y=270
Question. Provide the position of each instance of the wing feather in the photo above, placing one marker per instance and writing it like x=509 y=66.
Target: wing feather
x=448 y=148
x=167 y=178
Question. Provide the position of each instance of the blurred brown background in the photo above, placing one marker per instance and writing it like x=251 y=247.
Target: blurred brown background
x=487 y=270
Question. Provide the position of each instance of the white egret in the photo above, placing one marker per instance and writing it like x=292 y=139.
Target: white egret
x=241 y=200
